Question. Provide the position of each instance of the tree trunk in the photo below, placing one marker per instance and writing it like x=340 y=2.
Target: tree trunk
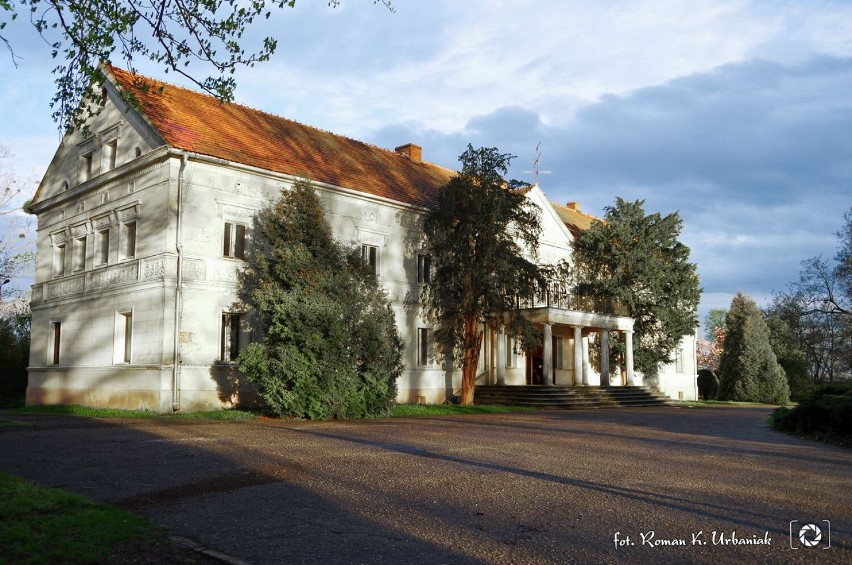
x=473 y=342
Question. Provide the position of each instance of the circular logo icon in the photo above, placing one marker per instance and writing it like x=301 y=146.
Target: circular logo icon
x=810 y=535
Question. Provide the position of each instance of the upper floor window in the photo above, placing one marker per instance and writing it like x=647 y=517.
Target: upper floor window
x=370 y=255
x=59 y=260
x=79 y=258
x=127 y=240
x=86 y=166
x=234 y=244
x=102 y=247
x=110 y=154
x=424 y=269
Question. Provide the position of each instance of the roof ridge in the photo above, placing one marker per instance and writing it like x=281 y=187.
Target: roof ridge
x=271 y=114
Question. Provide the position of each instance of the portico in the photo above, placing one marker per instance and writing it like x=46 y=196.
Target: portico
x=566 y=337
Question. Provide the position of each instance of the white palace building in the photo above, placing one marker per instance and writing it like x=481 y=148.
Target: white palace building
x=144 y=223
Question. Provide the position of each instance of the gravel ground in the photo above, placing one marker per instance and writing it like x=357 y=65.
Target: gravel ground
x=601 y=486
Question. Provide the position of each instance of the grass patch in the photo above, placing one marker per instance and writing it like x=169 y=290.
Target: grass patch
x=715 y=403
x=407 y=410
x=85 y=411
x=42 y=525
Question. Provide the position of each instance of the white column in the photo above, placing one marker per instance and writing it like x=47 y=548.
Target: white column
x=578 y=355
x=628 y=356
x=586 y=368
x=501 y=356
x=604 y=358
x=548 y=354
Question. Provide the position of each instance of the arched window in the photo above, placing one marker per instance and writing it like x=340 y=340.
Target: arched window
x=138 y=152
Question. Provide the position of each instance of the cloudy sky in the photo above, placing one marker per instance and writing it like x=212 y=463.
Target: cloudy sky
x=736 y=114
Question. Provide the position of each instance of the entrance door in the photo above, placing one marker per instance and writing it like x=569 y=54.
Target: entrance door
x=535 y=366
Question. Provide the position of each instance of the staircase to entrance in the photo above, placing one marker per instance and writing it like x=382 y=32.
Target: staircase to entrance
x=567 y=397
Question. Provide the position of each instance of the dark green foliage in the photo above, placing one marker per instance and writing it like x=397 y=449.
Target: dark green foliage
x=790 y=357
x=478 y=235
x=708 y=384
x=330 y=347
x=14 y=357
x=748 y=370
x=637 y=260
x=827 y=410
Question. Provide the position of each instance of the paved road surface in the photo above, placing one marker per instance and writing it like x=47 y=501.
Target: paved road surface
x=543 y=487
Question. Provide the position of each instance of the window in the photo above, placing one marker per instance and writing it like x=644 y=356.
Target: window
x=55 y=335
x=230 y=337
x=102 y=247
x=86 y=167
x=424 y=269
x=79 y=259
x=110 y=151
x=370 y=255
x=59 y=260
x=679 y=361
x=123 y=337
x=137 y=152
x=65 y=186
x=422 y=347
x=510 y=355
x=234 y=241
x=127 y=239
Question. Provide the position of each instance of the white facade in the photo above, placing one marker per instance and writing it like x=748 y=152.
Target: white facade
x=139 y=245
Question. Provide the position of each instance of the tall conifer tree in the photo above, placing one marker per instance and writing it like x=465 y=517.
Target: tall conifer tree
x=480 y=235
x=748 y=370
x=637 y=260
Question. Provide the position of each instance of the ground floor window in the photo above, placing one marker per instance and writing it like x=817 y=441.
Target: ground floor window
x=123 y=337
x=55 y=339
x=229 y=347
x=422 y=347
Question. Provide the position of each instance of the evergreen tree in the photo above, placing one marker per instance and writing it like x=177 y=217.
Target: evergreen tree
x=330 y=346
x=749 y=370
x=637 y=260
x=478 y=235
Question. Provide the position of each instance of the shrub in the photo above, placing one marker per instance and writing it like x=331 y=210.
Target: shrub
x=330 y=346
x=708 y=384
x=827 y=411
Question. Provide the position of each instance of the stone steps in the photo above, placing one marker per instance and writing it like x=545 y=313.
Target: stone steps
x=567 y=397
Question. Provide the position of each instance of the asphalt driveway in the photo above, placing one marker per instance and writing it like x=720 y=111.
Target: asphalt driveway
x=605 y=486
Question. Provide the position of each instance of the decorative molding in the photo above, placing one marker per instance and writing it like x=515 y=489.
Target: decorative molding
x=110 y=133
x=116 y=275
x=194 y=269
x=128 y=212
x=370 y=237
x=370 y=214
x=102 y=222
x=59 y=237
x=80 y=230
x=65 y=287
x=155 y=268
x=230 y=210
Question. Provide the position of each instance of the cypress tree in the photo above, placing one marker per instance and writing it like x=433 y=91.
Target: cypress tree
x=748 y=370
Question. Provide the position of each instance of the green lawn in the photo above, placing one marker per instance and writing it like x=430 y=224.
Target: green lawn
x=43 y=525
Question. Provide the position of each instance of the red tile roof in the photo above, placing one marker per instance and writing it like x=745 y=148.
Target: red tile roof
x=197 y=122
x=576 y=220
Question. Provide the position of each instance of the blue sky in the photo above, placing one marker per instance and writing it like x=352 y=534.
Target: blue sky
x=737 y=114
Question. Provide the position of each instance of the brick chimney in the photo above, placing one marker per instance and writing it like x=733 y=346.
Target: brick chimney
x=413 y=152
x=573 y=206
